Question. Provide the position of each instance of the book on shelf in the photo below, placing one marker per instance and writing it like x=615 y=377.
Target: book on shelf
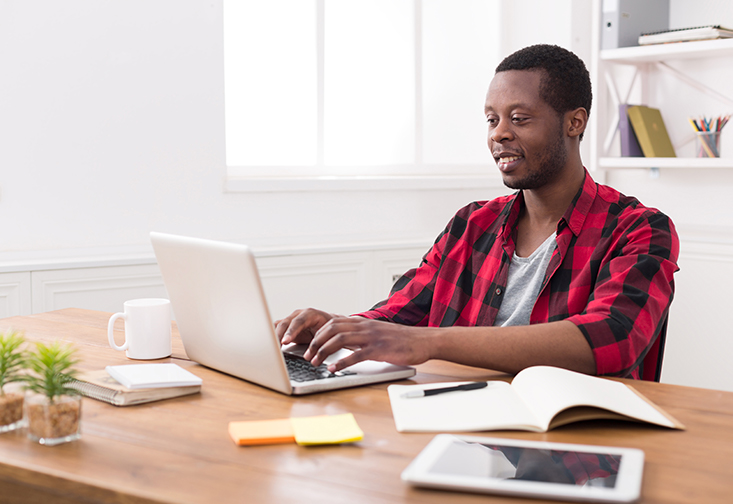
x=539 y=398
x=685 y=35
x=650 y=131
x=629 y=144
x=101 y=386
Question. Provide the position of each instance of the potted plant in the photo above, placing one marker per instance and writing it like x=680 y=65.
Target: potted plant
x=12 y=363
x=54 y=411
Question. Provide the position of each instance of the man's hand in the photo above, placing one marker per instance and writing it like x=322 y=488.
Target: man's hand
x=301 y=325
x=369 y=340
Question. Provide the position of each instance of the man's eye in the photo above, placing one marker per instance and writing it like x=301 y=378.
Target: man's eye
x=491 y=120
x=518 y=119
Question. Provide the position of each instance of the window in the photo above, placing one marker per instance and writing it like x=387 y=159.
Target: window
x=358 y=88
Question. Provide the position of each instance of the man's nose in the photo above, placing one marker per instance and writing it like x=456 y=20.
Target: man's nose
x=502 y=132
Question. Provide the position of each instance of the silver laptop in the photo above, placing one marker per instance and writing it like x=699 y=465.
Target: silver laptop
x=222 y=316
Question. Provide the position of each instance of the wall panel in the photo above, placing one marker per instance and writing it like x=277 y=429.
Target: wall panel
x=700 y=335
x=15 y=294
x=104 y=289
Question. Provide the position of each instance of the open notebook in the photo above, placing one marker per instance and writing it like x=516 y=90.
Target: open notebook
x=222 y=316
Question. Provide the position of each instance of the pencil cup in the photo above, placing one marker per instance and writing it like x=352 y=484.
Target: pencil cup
x=707 y=144
x=147 y=329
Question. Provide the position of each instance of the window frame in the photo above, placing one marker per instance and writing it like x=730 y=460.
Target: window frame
x=321 y=177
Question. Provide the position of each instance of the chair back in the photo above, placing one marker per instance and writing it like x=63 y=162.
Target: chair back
x=652 y=363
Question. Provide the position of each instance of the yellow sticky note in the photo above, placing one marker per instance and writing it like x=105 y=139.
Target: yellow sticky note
x=260 y=432
x=326 y=429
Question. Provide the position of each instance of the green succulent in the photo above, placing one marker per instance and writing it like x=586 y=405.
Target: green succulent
x=12 y=359
x=51 y=369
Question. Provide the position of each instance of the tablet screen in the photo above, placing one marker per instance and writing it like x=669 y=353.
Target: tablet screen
x=497 y=461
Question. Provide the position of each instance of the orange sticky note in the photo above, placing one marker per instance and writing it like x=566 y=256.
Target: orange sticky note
x=260 y=432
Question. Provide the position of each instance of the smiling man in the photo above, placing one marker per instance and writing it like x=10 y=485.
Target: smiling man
x=564 y=272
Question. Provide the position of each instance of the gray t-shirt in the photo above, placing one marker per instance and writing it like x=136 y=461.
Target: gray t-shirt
x=523 y=285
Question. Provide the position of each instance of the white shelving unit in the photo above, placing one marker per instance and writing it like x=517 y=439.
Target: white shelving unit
x=612 y=163
x=645 y=60
x=666 y=52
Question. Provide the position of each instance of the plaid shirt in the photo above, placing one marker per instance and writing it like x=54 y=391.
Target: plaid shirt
x=610 y=274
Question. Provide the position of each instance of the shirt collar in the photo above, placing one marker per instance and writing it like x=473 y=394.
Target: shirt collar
x=510 y=214
x=575 y=215
x=579 y=209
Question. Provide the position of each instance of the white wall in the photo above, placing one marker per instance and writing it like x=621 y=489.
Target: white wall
x=112 y=125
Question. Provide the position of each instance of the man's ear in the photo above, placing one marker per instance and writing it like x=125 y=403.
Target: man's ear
x=576 y=121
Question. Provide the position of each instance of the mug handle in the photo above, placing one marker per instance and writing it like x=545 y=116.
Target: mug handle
x=111 y=332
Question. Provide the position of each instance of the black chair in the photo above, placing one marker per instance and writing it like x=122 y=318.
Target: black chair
x=652 y=363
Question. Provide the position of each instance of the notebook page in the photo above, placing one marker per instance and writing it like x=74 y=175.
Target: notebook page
x=494 y=407
x=549 y=390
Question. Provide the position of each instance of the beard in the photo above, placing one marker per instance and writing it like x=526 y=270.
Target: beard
x=549 y=166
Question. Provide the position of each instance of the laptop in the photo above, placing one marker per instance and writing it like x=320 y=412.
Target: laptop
x=222 y=316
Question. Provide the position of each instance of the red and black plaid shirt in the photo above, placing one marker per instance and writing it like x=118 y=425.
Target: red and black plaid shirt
x=611 y=274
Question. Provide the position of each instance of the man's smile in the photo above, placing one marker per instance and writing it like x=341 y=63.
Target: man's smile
x=506 y=160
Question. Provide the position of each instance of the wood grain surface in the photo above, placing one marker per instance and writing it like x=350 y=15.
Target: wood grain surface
x=178 y=450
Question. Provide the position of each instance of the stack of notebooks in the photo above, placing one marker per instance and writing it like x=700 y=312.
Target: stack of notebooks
x=137 y=383
x=643 y=133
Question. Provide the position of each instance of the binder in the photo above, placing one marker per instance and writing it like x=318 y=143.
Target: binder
x=625 y=20
x=629 y=143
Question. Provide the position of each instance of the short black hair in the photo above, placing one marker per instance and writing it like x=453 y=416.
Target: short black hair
x=566 y=84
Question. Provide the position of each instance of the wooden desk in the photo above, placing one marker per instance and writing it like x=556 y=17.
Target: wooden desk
x=179 y=451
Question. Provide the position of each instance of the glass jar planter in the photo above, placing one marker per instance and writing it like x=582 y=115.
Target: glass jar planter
x=52 y=423
x=11 y=411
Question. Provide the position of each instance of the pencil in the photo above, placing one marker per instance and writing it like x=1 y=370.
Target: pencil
x=713 y=125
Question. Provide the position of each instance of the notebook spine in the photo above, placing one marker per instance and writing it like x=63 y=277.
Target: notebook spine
x=676 y=30
x=94 y=391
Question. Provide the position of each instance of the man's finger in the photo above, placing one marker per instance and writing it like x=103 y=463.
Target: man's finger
x=324 y=334
x=281 y=326
x=332 y=337
x=351 y=359
x=299 y=321
x=303 y=325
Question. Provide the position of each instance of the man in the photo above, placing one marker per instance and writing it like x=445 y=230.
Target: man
x=564 y=272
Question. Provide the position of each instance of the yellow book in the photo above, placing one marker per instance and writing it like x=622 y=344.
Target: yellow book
x=650 y=131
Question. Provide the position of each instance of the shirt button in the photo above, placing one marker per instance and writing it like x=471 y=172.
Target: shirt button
x=498 y=291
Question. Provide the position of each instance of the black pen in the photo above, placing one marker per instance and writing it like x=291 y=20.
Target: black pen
x=429 y=392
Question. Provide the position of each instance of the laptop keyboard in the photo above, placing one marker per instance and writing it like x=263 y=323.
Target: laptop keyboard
x=301 y=370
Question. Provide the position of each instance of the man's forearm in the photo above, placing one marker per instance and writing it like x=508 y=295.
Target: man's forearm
x=512 y=349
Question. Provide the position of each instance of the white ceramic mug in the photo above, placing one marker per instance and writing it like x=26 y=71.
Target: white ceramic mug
x=147 y=329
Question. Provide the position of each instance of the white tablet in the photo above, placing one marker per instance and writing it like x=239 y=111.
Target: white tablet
x=528 y=468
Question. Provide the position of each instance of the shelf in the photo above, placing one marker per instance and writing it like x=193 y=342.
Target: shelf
x=609 y=163
x=665 y=52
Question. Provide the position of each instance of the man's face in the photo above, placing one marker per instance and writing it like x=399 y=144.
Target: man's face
x=525 y=133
